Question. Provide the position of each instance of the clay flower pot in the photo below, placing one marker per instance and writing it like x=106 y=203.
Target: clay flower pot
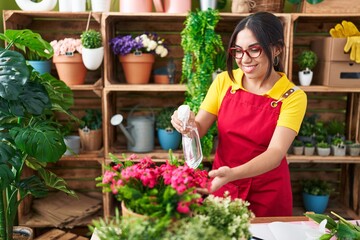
x=137 y=68
x=71 y=69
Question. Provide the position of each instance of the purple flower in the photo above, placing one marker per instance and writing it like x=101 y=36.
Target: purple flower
x=123 y=45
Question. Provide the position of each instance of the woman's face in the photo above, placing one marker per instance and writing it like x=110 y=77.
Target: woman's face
x=253 y=67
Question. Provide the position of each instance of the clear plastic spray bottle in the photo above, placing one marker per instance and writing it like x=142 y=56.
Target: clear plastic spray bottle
x=190 y=141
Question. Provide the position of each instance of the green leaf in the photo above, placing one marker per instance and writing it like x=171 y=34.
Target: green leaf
x=13 y=74
x=28 y=41
x=32 y=185
x=6 y=176
x=35 y=98
x=40 y=140
x=53 y=181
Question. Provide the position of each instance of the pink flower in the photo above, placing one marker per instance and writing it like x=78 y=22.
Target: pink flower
x=183 y=207
x=108 y=177
x=66 y=46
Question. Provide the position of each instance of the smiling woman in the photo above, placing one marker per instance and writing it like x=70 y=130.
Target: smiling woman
x=44 y=5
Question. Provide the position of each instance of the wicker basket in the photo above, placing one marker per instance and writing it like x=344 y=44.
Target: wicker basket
x=275 y=6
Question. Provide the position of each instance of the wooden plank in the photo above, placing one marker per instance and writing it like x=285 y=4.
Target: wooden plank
x=51 y=235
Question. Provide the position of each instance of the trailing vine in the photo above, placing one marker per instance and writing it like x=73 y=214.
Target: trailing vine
x=201 y=44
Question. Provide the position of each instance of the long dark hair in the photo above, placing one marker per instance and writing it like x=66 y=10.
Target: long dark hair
x=268 y=31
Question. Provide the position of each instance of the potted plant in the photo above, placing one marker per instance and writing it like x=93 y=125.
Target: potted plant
x=316 y=194
x=68 y=61
x=90 y=130
x=354 y=149
x=323 y=148
x=37 y=55
x=298 y=147
x=338 y=146
x=29 y=136
x=92 y=51
x=153 y=190
x=168 y=137
x=200 y=43
x=307 y=61
x=309 y=149
x=138 y=53
x=203 y=224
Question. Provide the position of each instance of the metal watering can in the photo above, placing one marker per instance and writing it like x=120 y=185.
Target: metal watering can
x=139 y=132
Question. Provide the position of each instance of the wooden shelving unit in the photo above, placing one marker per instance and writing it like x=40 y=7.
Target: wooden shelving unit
x=106 y=88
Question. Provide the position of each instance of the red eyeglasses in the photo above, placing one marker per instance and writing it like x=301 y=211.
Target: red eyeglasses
x=252 y=52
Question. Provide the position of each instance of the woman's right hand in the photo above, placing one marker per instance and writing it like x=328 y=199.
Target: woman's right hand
x=178 y=124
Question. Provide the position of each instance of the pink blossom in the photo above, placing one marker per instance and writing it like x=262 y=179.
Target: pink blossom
x=183 y=207
x=108 y=177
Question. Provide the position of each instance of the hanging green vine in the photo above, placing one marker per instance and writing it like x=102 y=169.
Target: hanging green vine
x=201 y=44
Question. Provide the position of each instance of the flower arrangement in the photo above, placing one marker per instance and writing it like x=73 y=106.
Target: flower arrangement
x=147 y=42
x=66 y=46
x=218 y=218
x=167 y=190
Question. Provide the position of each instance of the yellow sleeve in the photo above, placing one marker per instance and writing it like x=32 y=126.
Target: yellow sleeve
x=216 y=93
x=293 y=110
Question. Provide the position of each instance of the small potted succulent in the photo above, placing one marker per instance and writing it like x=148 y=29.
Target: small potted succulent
x=338 y=146
x=68 y=60
x=354 y=149
x=168 y=137
x=140 y=50
x=93 y=50
x=309 y=149
x=298 y=147
x=323 y=148
x=307 y=61
x=316 y=194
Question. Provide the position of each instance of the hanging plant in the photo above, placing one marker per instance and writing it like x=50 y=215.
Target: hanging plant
x=201 y=44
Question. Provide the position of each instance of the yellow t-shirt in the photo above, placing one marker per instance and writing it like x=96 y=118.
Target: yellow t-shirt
x=292 y=110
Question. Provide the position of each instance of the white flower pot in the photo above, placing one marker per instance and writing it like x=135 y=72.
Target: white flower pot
x=78 y=5
x=305 y=77
x=92 y=58
x=100 y=5
x=44 y=5
x=73 y=145
x=65 y=5
x=323 y=151
x=205 y=4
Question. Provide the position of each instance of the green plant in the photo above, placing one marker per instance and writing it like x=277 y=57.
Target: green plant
x=218 y=218
x=200 y=43
x=307 y=60
x=323 y=144
x=92 y=119
x=338 y=142
x=166 y=191
x=309 y=144
x=340 y=229
x=91 y=39
x=163 y=118
x=316 y=187
x=29 y=135
x=355 y=145
x=335 y=127
x=297 y=143
x=35 y=49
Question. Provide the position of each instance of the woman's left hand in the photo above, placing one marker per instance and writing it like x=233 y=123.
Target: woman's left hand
x=221 y=177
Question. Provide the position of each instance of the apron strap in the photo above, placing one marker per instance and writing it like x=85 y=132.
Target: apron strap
x=285 y=95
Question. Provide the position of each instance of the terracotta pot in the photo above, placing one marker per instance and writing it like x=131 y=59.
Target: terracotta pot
x=161 y=79
x=137 y=68
x=71 y=69
x=128 y=213
x=90 y=140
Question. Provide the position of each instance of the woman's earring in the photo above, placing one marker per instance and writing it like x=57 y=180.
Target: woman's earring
x=276 y=60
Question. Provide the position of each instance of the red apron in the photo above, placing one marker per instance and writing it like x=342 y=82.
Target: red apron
x=246 y=123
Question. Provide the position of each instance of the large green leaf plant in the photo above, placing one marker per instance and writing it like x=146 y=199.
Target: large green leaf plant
x=29 y=133
x=201 y=44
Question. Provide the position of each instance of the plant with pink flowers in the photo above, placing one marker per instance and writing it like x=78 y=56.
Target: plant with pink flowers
x=66 y=46
x=167 y=190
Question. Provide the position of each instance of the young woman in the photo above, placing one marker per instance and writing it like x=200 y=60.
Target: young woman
x=259 y=113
